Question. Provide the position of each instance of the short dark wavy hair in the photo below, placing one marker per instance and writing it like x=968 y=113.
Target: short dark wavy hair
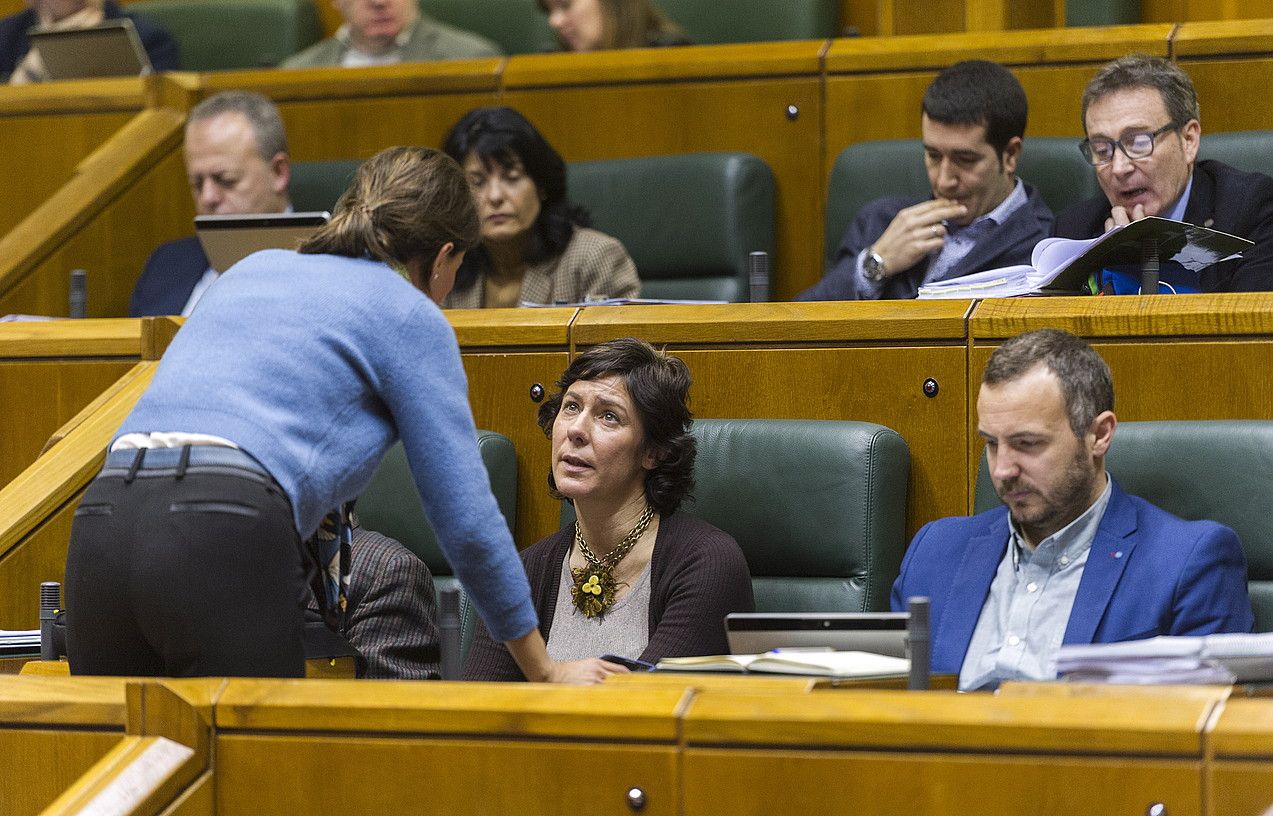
x=502 y=136
x=659 y=385
x=977 y=92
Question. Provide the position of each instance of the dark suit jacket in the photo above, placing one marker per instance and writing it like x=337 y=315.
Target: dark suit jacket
x=169 y=277
x=391 y=614
x=1009 y=245
x=1149 y=573
x=1223 y=198
x=159 y=44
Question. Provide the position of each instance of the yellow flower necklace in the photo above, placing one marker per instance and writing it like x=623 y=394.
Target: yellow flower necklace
x=594 y=585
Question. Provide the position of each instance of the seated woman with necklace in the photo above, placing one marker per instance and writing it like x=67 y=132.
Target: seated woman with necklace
x=632 y=577
x=536 y=245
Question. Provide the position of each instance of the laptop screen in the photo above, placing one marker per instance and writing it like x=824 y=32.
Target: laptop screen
x=107 y=50
x=878 y=632
x=228 y=239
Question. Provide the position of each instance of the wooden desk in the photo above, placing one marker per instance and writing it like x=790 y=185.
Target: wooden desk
x=938 y=752
x=50 y=371
x=52 y=730
x=464 y=748
x=1240 y=766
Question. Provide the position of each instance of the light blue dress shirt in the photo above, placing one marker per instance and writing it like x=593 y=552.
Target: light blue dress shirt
x=1028 y=609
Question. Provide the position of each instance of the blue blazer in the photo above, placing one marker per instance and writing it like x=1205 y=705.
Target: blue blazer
x=170 y=276
x=1009 y=245
x=1149 y=573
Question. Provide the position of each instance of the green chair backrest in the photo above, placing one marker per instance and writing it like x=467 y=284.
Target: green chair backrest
x=817 y=506
x=216 y=35
x=517 y=26
x=316 y=185
x=1220 y=470
x=866 y=171
x=391 y=505
x=730 y=21
x=1101 y=12
x=688 y=221
x=1250 y=150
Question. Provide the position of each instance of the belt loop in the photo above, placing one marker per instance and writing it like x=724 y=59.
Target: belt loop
x=184 y=461
x=136 y=466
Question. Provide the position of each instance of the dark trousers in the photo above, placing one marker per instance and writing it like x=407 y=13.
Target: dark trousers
x=187 y=571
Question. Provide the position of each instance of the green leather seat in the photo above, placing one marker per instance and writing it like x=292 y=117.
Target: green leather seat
x=1221 y=470
x=1101 y=12
x=517 y=26
x=1250 y=150
x=730 y=21
x=688 y=221
x=316 y=185
x=817 y=506
x=391 y=505
x=216 y=35
x=866 y=171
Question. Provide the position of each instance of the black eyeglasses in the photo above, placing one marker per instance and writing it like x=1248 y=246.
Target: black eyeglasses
x=1135 y=146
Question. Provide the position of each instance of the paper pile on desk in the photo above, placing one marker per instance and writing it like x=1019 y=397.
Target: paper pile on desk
x=1229 y=658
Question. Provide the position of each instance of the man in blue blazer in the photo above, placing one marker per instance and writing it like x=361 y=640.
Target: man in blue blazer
x=980 y=215
x=1070 y=558
x=237 y=163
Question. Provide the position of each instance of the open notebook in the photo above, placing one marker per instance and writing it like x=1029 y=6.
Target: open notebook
x=817 y=663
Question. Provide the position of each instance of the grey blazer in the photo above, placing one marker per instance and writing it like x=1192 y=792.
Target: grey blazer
x=391 y=613
x=593 y=263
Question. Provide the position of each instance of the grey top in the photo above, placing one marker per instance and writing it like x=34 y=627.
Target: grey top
x=623 y=630
x=1028 y=609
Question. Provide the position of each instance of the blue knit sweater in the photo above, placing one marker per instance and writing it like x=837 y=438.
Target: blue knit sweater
x=315 y=365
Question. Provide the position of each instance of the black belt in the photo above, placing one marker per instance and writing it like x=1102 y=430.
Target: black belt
x=134 y=463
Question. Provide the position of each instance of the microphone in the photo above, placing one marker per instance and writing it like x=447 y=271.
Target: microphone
x=78 y=305
x=1149 y=267
x=917 y=642
x=758 y=276
x=50 y=600
x=449 y=632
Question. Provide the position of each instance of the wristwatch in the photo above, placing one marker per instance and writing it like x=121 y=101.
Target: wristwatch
x=873 y=266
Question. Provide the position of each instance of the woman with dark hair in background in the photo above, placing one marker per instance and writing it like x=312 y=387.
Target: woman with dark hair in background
x=536 y=246
x=631 y=577
x=273 y=405
x=594 y=25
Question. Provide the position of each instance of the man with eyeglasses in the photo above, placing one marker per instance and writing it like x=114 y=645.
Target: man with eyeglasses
x=979 y=215
x=1140 y=114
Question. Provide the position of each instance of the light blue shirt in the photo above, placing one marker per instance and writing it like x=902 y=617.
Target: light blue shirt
x=1177 y=211
x=1028 y=609
x=959 y=242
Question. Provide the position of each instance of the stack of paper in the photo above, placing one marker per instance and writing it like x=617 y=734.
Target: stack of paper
x=1226 y=658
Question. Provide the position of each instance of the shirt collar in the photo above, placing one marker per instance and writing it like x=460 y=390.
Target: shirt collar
x=1177 y=211
x=1015 y=200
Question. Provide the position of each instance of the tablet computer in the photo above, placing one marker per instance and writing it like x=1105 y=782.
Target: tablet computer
x=878 y=632
x=106 y=50
x=228 y=239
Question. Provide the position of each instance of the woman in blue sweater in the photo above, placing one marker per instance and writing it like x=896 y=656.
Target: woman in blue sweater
x=274 y=404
